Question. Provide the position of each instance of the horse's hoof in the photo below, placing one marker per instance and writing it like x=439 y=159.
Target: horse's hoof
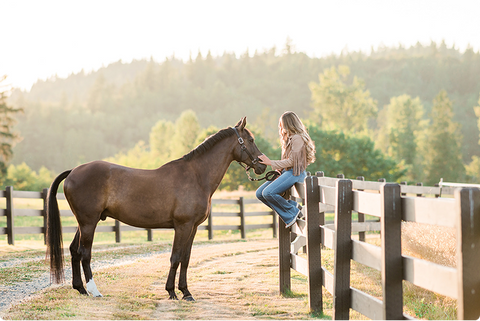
x=173 y=297
x=81 y=290
x=188 y=298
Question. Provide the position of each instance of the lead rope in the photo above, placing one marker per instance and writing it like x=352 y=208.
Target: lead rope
x=270 y=176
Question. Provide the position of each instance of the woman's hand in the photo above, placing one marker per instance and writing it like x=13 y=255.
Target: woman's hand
x=264 y=159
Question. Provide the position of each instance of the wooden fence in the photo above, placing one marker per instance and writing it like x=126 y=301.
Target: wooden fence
x=11 y=212
x=392 y=204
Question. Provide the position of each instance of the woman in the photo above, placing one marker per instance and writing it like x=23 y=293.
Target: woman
x=298 y=150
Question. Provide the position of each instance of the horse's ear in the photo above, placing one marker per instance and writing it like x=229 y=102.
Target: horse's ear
x=242 y=123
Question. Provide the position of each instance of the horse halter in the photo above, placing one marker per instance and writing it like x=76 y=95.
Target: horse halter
x=244 y=149
x=270 y=176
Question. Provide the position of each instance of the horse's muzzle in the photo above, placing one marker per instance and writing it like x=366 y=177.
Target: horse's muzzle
x=259 y=168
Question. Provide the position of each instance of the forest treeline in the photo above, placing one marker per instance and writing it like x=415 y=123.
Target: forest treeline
x=405 y=104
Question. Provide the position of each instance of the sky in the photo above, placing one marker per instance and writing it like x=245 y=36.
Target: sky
x=45 y=39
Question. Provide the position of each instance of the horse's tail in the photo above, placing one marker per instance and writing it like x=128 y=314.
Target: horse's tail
x=54 y=231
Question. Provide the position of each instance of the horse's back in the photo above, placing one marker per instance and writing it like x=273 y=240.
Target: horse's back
x=138 y=197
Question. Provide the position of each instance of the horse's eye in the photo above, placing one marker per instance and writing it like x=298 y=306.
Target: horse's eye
x=251 y=140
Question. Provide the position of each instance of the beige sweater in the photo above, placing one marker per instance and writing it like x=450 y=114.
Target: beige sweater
x=294 y=156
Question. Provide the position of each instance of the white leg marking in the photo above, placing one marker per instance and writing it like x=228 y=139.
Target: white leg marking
x=92 y=288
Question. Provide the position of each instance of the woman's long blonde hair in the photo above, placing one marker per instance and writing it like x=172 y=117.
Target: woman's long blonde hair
x=289 y=125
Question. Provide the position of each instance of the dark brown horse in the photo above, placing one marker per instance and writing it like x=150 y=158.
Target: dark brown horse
x=176 y=195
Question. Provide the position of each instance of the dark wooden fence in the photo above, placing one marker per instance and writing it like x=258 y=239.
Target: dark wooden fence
x=392 y=205
x=11 y=212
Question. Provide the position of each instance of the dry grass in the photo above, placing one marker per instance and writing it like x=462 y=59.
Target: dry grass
x=429 y=242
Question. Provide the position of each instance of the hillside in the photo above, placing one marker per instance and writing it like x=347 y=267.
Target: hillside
x=93 y=116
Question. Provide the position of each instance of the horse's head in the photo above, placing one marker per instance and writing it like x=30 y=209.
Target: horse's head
x=247 y=152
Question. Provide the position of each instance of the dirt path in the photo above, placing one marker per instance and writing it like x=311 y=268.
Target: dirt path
x=234 y=281
x=229 y=281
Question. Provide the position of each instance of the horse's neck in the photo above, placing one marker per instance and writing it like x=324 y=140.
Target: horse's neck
x=214 y=164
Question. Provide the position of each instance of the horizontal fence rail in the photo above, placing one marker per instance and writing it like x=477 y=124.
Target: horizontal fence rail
x=392 y=204
x=10 y=212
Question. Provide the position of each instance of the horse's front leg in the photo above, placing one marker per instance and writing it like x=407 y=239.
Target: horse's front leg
x=181 y=241
x=182 y=282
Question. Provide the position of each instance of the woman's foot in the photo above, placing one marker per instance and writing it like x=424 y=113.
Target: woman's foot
x=296 y=217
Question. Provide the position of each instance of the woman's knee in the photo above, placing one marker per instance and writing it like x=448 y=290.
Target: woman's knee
x=268 y=194
x=259 y=193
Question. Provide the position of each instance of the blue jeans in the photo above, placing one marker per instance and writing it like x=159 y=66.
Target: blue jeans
x=269 y=194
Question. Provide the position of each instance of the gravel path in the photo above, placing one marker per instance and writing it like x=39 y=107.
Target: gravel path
x=13 y=294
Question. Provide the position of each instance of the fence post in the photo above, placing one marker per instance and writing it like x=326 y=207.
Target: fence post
x=437 y=185
x=242 y=217
x=314 y=255
x=419 y=184
x=149 y=235
x=342 y=249
x=405 y=184
x=284 y=242
x=321 y=218
x=361 y=216
x=210 y=223
x=118 y=232
x=44 y=214
x=392 y=267
x=468 y=253
x=275 y=224
x=9 y=212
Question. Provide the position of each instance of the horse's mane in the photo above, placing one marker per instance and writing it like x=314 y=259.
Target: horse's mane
x=209 y=143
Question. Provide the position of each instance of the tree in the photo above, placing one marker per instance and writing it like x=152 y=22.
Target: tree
x=186 y=132
x=442 y=149
x=341 y=106
x=160 y=139
x=473 y=170
x=400 y=129
x=7 y=136
x=351 y=155
x=23 y=178
x=477 y=113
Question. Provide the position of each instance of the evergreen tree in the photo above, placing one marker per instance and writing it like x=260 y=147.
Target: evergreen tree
x=442 y=149
x=400 y=129
x=7 y=136
x=341 y=106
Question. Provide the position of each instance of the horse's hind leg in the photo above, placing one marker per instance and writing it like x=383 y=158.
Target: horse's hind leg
x=85 y=250
x=77 y=282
